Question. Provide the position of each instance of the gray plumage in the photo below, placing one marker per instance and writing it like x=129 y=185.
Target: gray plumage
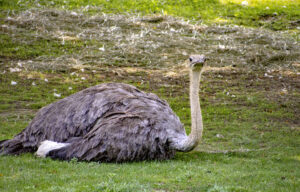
x=111 y=122
x=108 y=122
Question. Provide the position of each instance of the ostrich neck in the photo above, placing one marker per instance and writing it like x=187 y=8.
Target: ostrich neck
x=191 y=141
x=197 y=125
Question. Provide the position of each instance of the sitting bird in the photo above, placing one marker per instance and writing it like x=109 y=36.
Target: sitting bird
x=111 y=122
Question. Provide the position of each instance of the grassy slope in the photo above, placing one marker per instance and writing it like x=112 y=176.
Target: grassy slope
x=272 y=14
x=251 y=120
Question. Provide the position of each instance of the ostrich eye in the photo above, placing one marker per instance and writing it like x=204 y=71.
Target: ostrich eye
x=191 y=59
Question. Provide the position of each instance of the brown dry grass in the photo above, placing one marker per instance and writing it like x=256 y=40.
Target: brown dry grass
x=133 y=41
x=152 y=50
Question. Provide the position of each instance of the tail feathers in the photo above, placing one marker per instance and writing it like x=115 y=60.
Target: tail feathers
x=1 y=142
x=48 y=146
x=14 y=147
x=60 y=154
x=2 y=151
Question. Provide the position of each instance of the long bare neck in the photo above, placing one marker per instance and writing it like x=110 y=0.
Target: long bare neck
x=197 y=126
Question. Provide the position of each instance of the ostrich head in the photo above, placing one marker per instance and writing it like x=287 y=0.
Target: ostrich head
x=197 y=62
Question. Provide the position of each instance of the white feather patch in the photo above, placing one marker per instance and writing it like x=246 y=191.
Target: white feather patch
x=47 y=146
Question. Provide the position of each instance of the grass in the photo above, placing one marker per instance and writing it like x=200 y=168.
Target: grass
x=196 y=173
x=249 y=92
x=272 y=14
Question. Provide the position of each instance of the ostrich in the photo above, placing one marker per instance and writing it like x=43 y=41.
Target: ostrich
x=111 y=122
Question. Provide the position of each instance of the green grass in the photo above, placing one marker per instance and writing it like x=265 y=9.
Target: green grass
x=251 y=122
x=15 y=48
x=193 y=172
x=272 y=14
x=272 y=164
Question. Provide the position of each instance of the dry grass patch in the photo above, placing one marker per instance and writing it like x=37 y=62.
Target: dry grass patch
x=151 y=51
x=133 y=41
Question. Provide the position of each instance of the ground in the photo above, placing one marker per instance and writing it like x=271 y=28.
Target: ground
x=250 y=90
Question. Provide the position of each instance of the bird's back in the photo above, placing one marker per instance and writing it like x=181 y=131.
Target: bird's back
x=107 y=122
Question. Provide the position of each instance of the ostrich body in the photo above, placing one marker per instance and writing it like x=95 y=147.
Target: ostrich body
x=111 y=122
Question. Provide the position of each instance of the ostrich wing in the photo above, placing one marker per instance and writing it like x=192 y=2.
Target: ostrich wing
x=109 y=122
x=118 y=138
x=136 y=130
x=68 y=118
